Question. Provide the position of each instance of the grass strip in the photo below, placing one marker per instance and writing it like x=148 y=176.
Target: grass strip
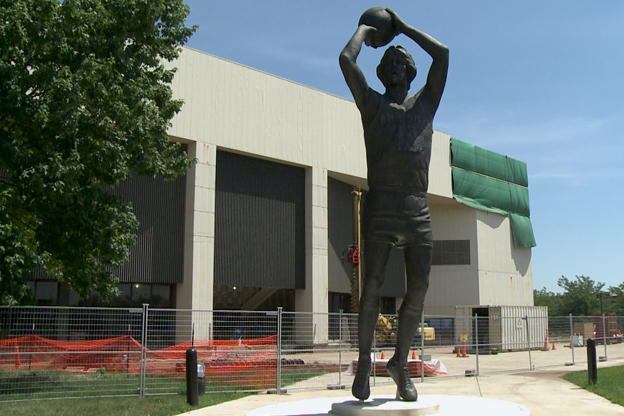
x=51 y=385
x=610 y=383
x=122 y=406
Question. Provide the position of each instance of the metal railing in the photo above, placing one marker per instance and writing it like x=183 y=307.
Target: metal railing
x=53 y=352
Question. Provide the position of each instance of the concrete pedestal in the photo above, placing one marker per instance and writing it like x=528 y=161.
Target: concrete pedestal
x=382 y=406
x=439 y=405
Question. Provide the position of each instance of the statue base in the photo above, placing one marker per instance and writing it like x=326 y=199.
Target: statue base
x=439 y=405
x=386 y=406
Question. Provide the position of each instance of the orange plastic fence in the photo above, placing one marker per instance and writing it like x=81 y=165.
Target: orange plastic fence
x=35 y=352
x=232 y=360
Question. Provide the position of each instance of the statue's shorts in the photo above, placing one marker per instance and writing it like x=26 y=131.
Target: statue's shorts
x=396 y=217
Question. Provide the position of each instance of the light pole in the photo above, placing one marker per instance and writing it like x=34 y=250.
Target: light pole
x=609 y=294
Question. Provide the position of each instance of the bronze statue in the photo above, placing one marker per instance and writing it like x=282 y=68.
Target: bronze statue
x=397 y=133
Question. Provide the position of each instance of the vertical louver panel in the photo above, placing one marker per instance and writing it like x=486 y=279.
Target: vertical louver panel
x=158 y=255
x=340 y=233
x=259 y=223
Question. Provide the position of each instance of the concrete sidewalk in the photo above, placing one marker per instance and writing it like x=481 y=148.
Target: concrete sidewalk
x=543 y=391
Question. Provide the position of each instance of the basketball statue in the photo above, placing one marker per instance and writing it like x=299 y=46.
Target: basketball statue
x=397 y=133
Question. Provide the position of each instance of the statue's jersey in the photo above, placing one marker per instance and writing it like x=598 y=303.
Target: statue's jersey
x=398 y=152
x=398 y=145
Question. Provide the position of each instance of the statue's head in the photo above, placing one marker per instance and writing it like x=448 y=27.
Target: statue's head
x=384 y=69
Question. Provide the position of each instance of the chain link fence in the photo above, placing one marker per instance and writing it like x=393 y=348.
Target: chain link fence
x=50 y=352
x=54 y=352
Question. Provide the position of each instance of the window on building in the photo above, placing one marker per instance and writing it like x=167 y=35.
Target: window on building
x=141 y=293
x=46 y=293
x=125 y=292
x=161 y=296
x=387 y=306
x=52 y=293
x=451 y=252
x=338 y=301
x=67 y=297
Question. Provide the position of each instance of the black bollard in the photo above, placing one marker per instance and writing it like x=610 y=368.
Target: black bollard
x=592 y=368
x=191 y=377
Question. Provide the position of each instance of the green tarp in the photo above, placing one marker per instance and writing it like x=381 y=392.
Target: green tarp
x=476 y=159
x=493 y=182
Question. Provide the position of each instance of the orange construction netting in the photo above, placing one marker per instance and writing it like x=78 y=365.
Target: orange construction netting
x=250 y=363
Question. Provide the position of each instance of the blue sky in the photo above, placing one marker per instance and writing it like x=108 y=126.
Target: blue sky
x=539 y=81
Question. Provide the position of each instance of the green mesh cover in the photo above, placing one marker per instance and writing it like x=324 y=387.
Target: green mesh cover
x=493 y=182
x=487 y=163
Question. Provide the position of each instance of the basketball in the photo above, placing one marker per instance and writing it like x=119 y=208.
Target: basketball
x=379 y=18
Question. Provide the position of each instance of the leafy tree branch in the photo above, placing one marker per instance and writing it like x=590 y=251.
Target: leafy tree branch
x=86 y=103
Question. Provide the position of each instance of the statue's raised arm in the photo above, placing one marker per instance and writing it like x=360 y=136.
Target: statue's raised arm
x=352 y=73
x=436 y=79
x=375 y=29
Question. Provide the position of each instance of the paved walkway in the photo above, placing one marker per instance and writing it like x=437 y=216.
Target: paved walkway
x=543 y=391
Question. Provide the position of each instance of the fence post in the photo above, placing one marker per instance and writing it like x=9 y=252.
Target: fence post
x=604 y=336
x=422 y=347
x=592 y=367
x=192 y=394
x=279 y=351
x=526 y=318
x=572 y=339
x=477 y=341
x=142 y=377
x=340 y=349
x=374 y=357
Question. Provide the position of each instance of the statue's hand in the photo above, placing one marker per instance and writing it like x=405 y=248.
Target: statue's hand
x=377 y=38
x=399 y=24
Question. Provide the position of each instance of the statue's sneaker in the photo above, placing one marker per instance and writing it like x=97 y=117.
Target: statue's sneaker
x=400 y=375
x=361 y=386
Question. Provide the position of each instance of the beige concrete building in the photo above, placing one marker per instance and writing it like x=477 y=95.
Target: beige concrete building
x=244 y=125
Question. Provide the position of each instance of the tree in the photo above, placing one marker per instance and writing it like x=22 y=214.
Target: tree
x=580 y=296
x=543 y=297
x=86 y=102
x=616 y=300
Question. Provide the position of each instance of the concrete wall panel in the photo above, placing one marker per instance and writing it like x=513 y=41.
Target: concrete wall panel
x=452 y=285
x=505 y=272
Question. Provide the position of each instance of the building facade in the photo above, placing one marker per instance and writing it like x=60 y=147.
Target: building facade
x=268 y=204
x=265 y=215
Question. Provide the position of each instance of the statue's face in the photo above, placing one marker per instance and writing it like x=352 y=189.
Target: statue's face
x=395 y=68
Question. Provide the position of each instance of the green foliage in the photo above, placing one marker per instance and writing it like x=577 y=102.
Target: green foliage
x=86 y=102
x=581 y=296
x=615 y=301
x=543 y=297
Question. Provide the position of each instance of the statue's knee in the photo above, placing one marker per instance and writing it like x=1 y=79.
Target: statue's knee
x=419 y=286
x=411 y=308
x=369 y=303
x=372 y=286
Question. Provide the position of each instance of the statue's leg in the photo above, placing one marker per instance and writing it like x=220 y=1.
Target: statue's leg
x=375 y=257
x=417 y=269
